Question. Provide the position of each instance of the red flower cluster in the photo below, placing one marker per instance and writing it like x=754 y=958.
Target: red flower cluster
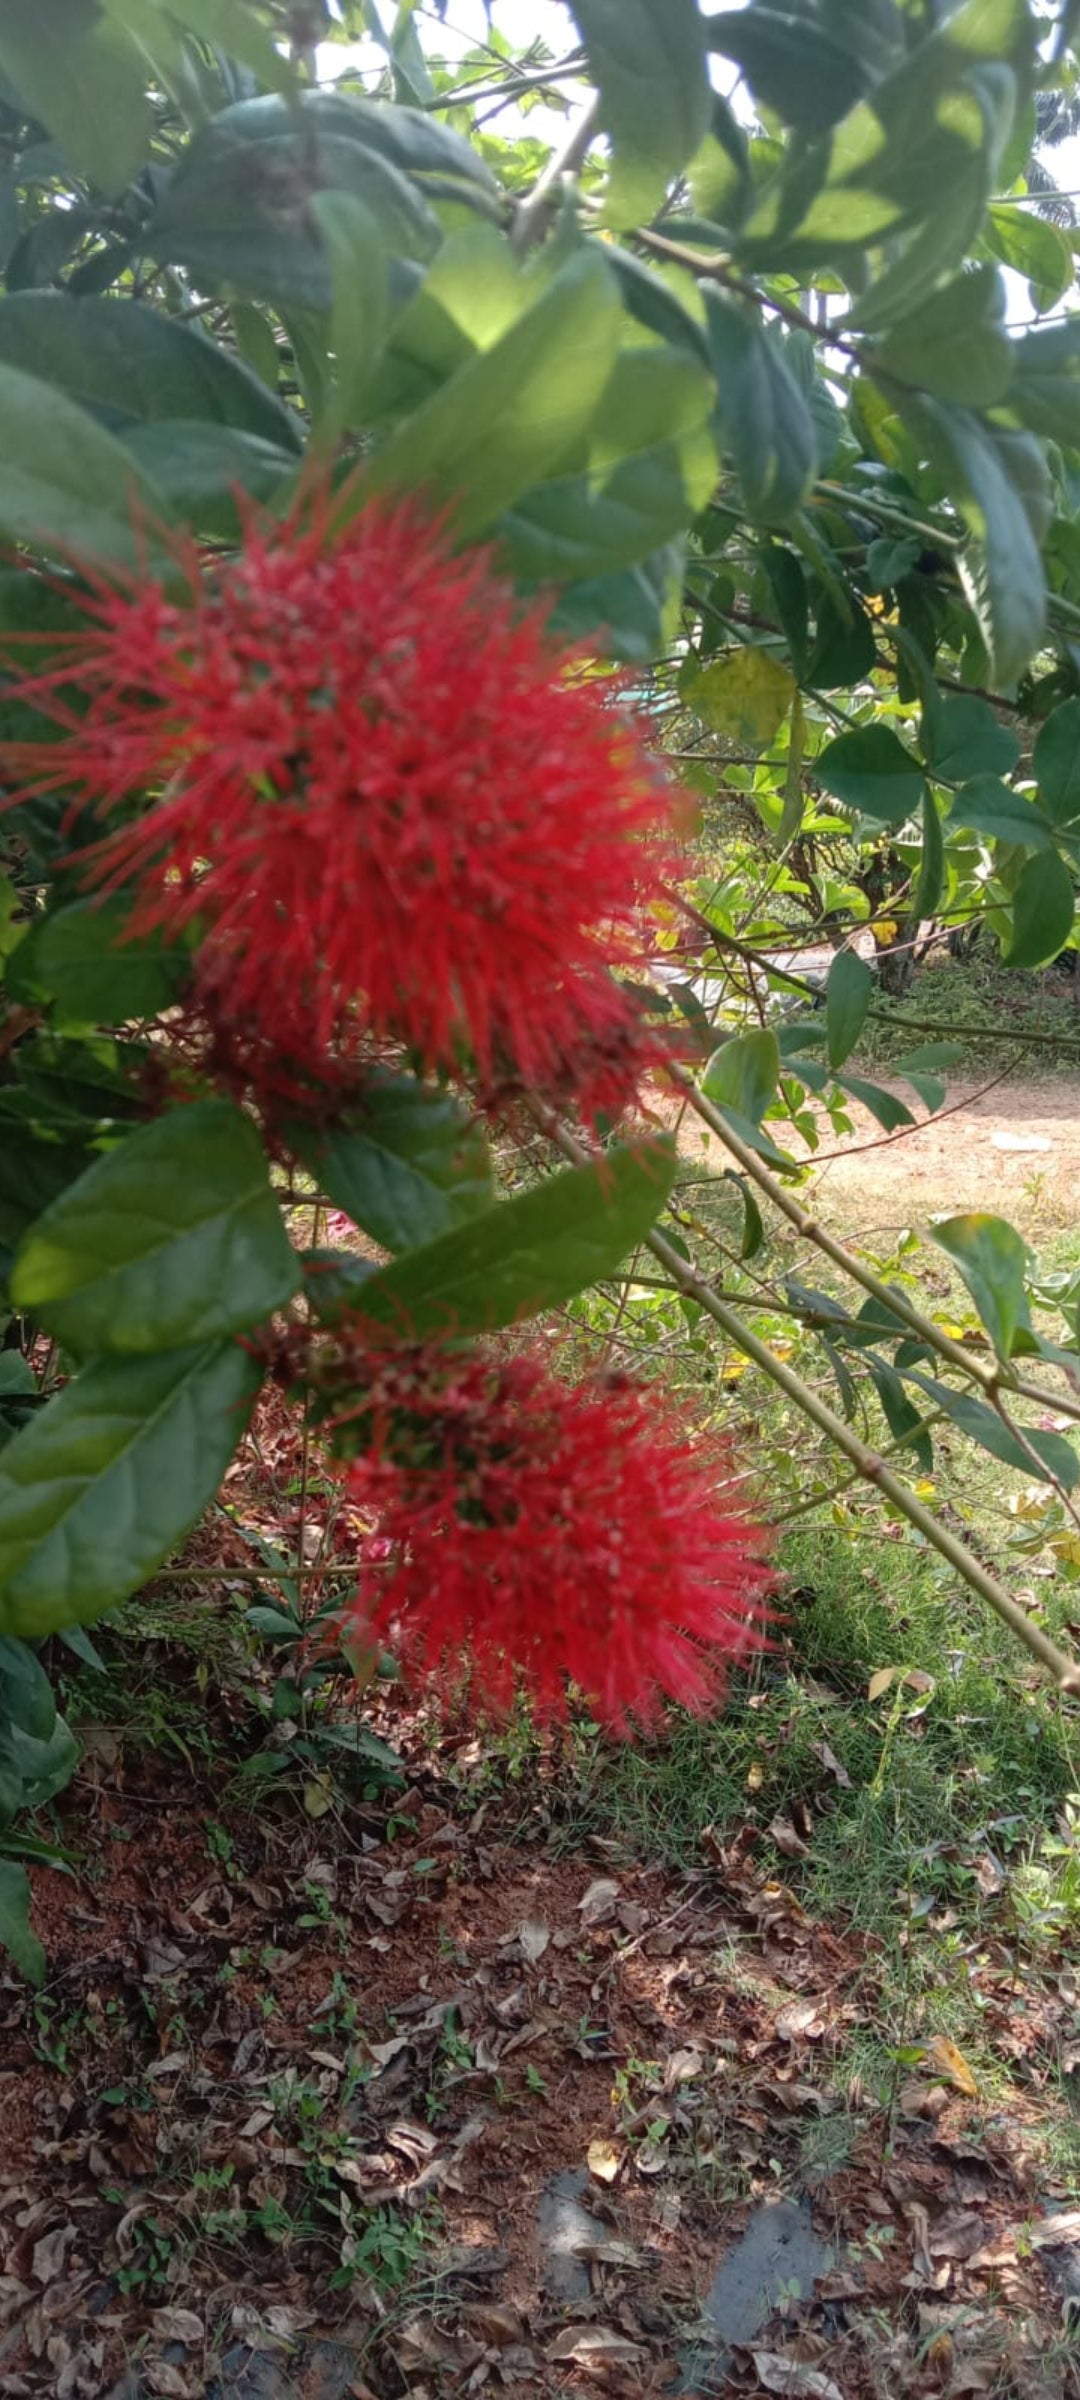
x=534 y=1533
x=396 y=808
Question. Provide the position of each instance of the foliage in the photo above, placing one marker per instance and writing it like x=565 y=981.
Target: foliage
x=733 y=398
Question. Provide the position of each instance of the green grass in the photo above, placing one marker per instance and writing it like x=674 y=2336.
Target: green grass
x=974 y=1001
x=982 y=1762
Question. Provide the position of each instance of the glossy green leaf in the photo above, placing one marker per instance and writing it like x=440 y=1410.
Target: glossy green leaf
x=1045 y=392
x=106 y=1481
x=993 y=1261
x=954 y=344
x=648 y=62
x=26 y=1695
x=510 y=415
x=65 y=484
x=204 y=470
x=1000 y=484
x=968 y=740
x=361 y=299
x=529 y=1253
x=128 y=363
x=1054 y=1460
x=1056 y=761
x=1031 y=246
x=239 y=208
x=848 y=994
x=1000 y=814
x=174 y=1236
x=753 y=1232
x=766 y=422
x=1043 y=909
x=81 y=76
x=743 y=1073
x=901 y=1415
x=32 y=1173
x=870 y=770
x=800 y=69
x=229 y=25
x=78 y=958
x=930 y=881
x=408 y=1166
x=886 y=1109
x=16 y=1937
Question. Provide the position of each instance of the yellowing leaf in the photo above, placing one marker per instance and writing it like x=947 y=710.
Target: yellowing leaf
x=946 y=2061
x=603 y=2160
x=745 y=694
x=881 y=1681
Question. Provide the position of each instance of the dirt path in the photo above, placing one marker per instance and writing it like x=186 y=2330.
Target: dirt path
x=1013 y=1148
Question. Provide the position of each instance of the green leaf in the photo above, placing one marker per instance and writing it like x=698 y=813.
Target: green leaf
x=753 y=1233
x=174 y=1237
x=32 y=1173
x=105 y=1482
x=65 y=484
x=202 y=469
x=930 y=882
x=901 y=1415
x=26 y=1695
x=1056 y=761
x=1045 y=392
x=870 y=770
x=15 y=1934
x=744 y=693
x=332 y=1281
x=766 y=422
x=409 y=1165
x=993 y=1261
x=648 y=62
x=798 y=68
x=967 y=739
x=83 y=78
x=1043 y=908
x=227 y=25
x=954 y=344
x=1000 y=484
x=528 y=1254
x=844 y=647
x=130 y=363
x=1031 y=246
x=1002 y=815
x=848 y=993
x=361 y=299
x=508 y=417
x=743 y=1073
x=79 y=959
x=239 y=207
x=1057 y=1460
x=886 y=1110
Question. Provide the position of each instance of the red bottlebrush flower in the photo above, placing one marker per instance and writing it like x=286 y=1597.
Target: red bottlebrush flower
x=537 y=1533
x=398 y=808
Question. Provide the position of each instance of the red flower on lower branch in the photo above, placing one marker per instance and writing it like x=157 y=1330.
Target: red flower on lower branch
x=533 y=1534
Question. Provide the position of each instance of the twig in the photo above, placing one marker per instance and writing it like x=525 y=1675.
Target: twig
x=535 y=214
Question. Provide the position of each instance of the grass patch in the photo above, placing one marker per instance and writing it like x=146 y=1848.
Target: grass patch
x=975 y=1001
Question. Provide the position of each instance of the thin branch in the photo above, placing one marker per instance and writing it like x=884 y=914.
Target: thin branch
x=869 y=1465
x=534 y=214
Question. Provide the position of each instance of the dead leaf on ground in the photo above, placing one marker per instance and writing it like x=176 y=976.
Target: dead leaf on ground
x=604 y=2161
x=788 y=1842
x=596 y=2346
x=533 y=1937
x=599 y=1902
x=779 y=2371
x=950 y=2064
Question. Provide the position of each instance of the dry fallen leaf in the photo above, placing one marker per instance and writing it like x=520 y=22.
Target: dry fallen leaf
x=946 y=2061
x=604 y=2161
x=598 y=1903
x=777 y=2371
x=178 y=2325
x=788 y=1842
x=533 y=1937
x=596 y=2346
